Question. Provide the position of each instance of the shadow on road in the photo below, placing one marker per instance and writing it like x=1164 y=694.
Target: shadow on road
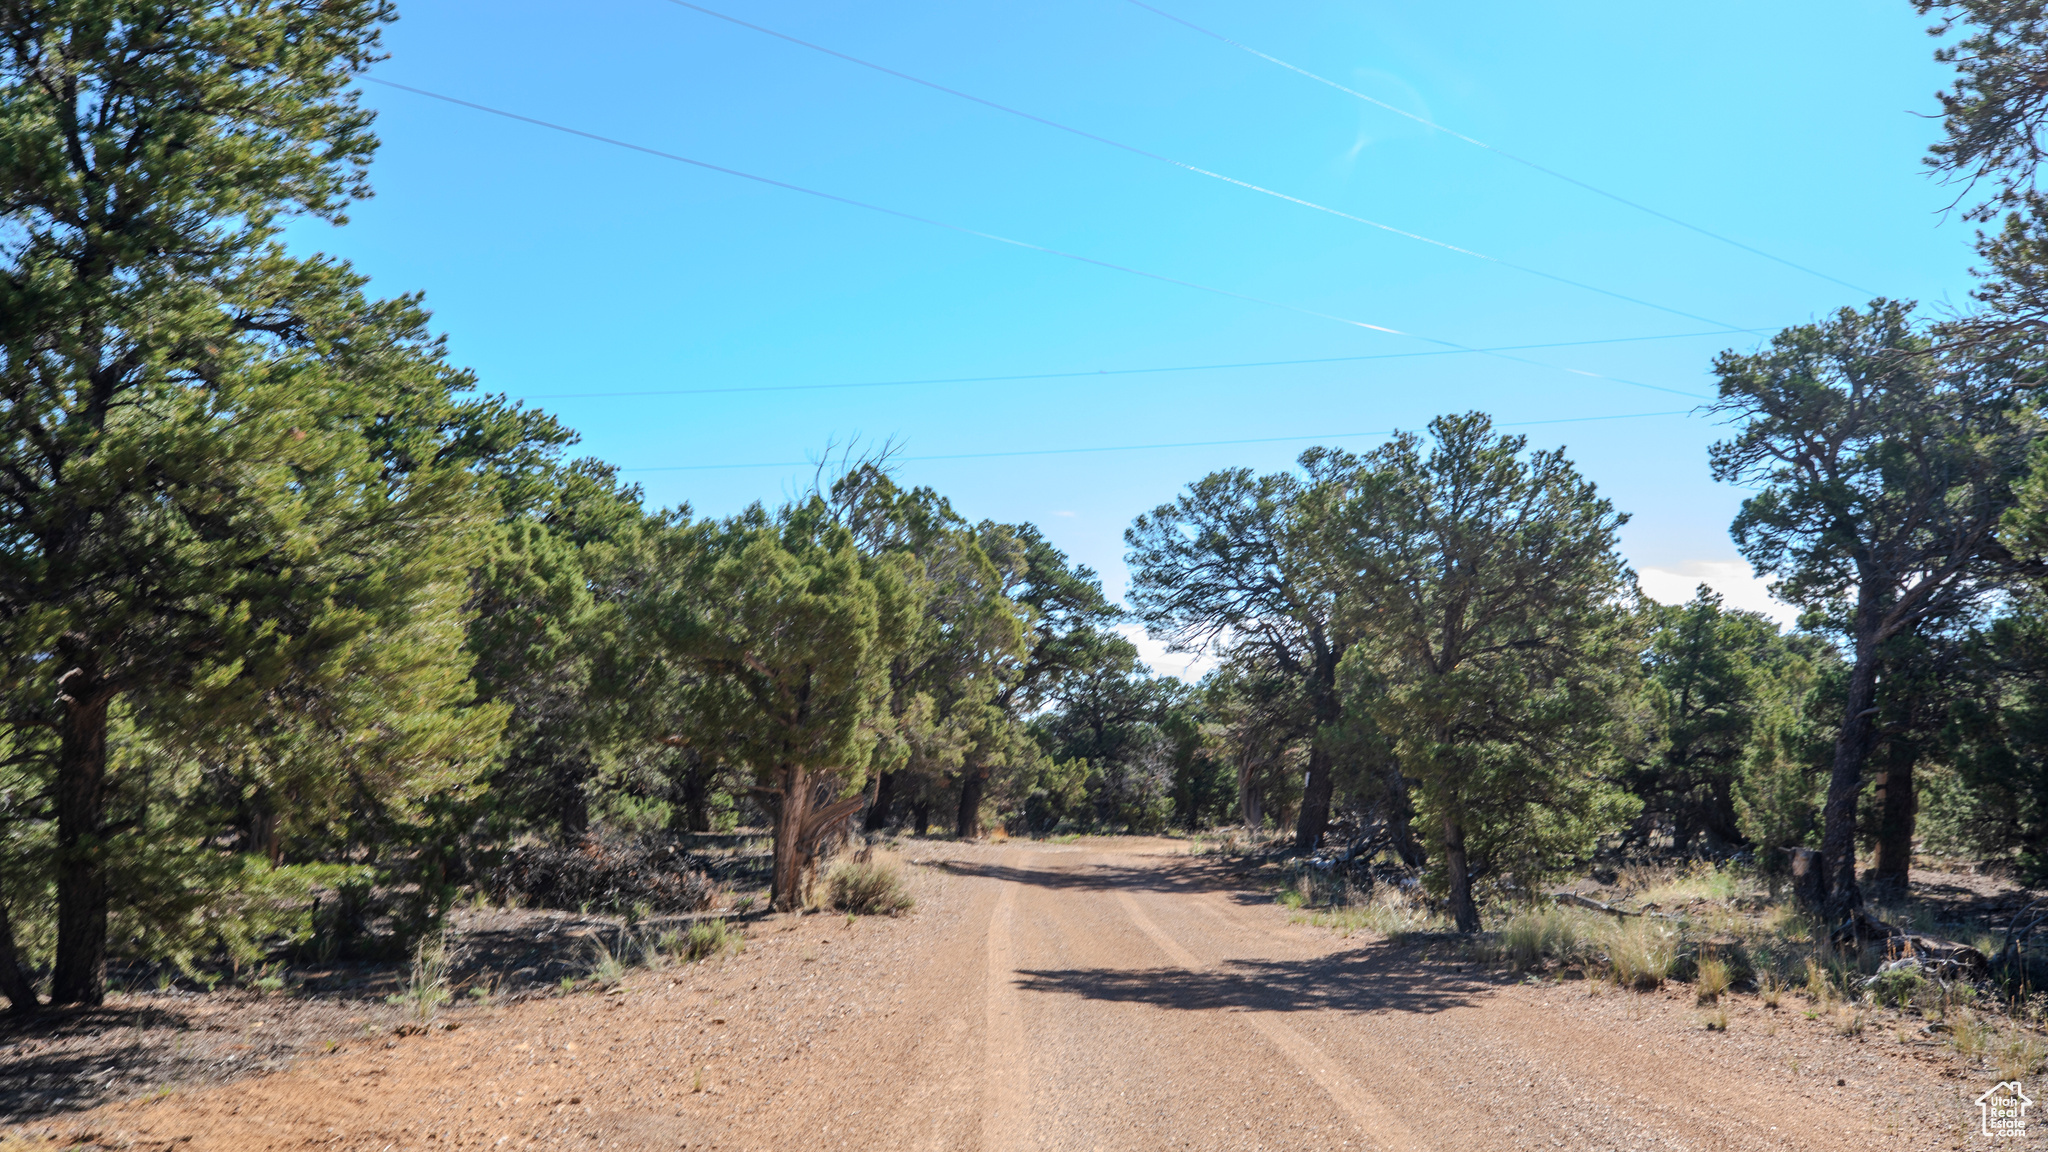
x=1180 y=876
x=1375 y=978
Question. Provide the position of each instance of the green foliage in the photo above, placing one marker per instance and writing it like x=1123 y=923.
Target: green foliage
x=1242 y=563
x=709 y=938
x=1883 y=467
x=788 y=632
x=1724 y=690
x=1993 y=802
x=1896 y=988
x=1489 y=588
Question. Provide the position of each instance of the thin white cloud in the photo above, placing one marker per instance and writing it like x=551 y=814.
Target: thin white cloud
x=1735 y=580
x=1182 y=665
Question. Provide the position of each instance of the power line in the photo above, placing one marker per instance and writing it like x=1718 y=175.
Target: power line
x=1143 y=447
x=1136 y=151
x=964 y=230
x=1097 y=372
x=1502 y=153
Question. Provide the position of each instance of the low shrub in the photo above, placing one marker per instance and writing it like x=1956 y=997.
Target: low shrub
x=708 y=939
x=1897 y=988
x=871 y=887
x=1391 y=912
x=642 y=876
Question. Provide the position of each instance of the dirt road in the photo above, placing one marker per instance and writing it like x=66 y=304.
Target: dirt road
x=1115 y=995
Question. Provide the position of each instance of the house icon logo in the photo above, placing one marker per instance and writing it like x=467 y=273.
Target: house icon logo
x=2003 y=1110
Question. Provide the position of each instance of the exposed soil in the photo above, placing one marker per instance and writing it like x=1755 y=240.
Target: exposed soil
x=1102 y=995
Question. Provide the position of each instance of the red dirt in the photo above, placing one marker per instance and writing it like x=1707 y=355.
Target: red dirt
x=1109 y=995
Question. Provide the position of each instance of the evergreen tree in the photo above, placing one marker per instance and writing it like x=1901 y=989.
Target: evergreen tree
x=1238 y=562
x=790 y=632
x=226 y=473
x=1492 y=598
x=1883 y=470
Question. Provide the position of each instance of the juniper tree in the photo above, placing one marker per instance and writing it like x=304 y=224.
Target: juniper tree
x=1883 y=469
x=1495 y=640
x=788 y=632
x=1238 y=562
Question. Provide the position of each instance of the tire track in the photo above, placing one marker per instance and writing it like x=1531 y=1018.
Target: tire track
x=1006 y=1055
x=1374 y=1120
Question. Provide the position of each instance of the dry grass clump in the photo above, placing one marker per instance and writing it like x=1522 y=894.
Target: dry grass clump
x=868 y=884
x=1714 y=976
x=1640 y=954
x=700 y=941
x=1701 y=881
x=1534 y=936
x=1770 y=989
x=427 y=987
x=1969 y=1035
x=2018 y=1056
x=1390 y=912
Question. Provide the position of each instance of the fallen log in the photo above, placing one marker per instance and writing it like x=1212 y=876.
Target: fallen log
x=1577 y=900
x=1946 y=958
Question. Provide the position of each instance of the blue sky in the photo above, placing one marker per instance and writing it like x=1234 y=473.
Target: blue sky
x=562 y=267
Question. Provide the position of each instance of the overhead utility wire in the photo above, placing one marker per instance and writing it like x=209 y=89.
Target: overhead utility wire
x=1136 y=151
x=1502 y=153
x=1140 y=447
x=1096 y=372
x=964 y=230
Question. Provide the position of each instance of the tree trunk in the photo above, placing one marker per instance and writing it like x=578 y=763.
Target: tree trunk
x=922 y=811
x=14 y=982
x=793 y=803
x=1897 y=805
x=1248 y=798
x=885 y=801
x=81 y=794
x=1852 y=747
x=1315 y=795
x=696 y=796
x=1463 y=911
x=972 y=783
x=1315 y=801
x=1400 y=821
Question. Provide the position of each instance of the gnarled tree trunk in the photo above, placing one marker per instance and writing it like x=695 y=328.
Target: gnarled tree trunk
x=1458 y=872
x=1248 y=807
x=1852 y=747
x=973 y=782
x=1315 y=794
x=81 y=795
x=792 y=804
x=885 y=801
x=1897 y=807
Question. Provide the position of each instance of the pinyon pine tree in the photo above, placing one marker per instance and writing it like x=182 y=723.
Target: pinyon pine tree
x=225 y=474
